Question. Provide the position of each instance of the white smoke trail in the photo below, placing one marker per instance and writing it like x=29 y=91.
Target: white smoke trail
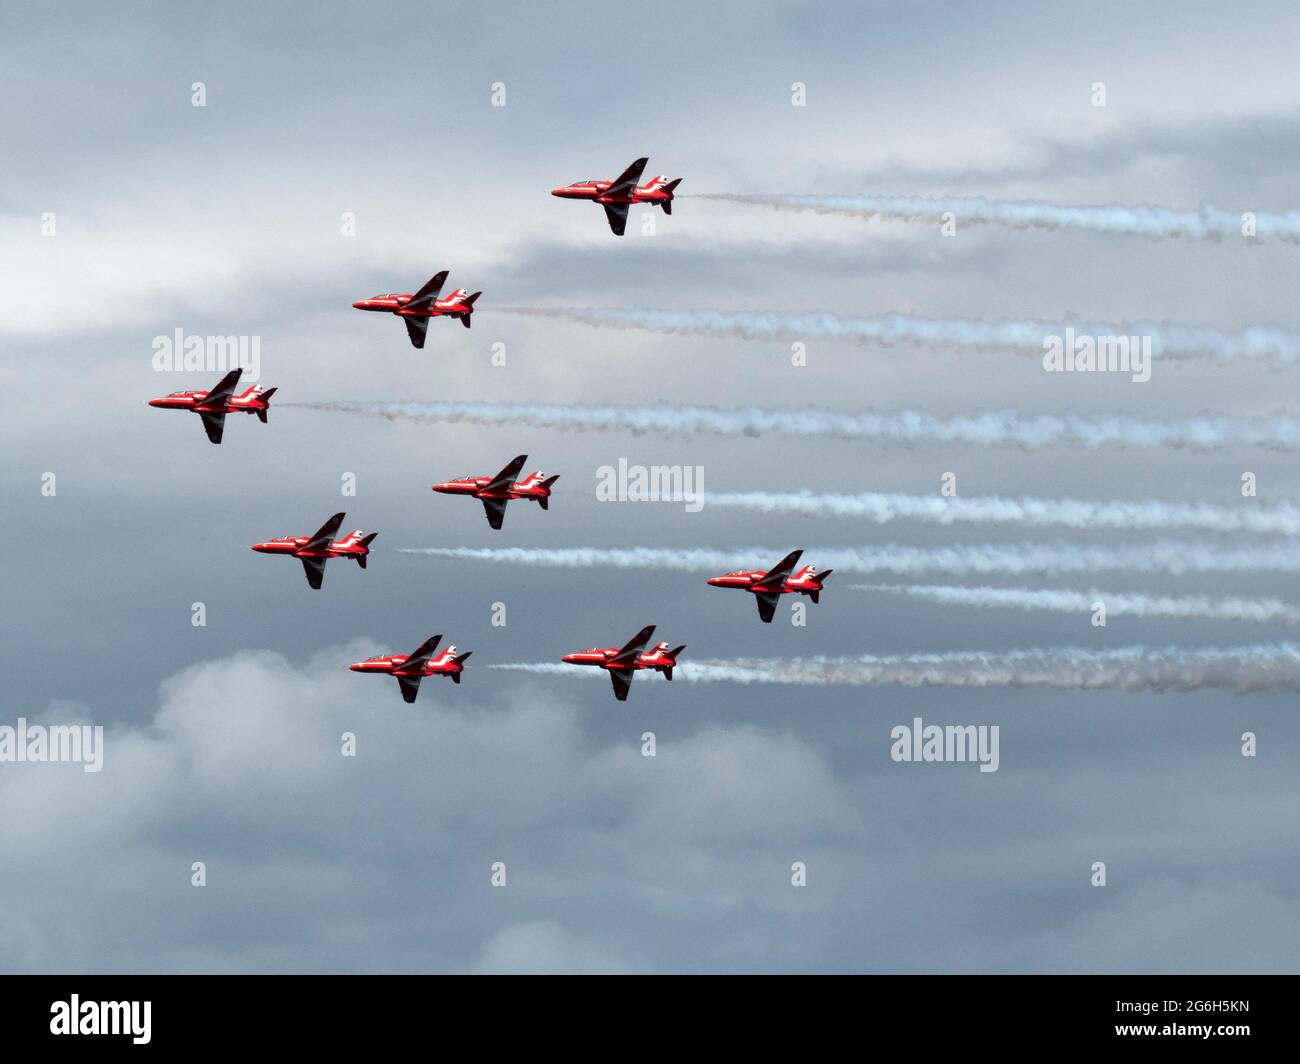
x=1206 y=223
x=1015 y=559
x=999 y=428
x=883 y=507
x=1168 y=339
x=1117 y=603
x=1242 y=669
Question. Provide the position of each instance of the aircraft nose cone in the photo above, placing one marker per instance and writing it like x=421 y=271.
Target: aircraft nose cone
x=360 y=304
x=713 y=581
x=569 y=658
x=355 y=668
x=155 y=402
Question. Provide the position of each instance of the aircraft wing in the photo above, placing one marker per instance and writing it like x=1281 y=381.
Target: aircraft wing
x=635 y=645
x=766 y=606
x=325 y=534
x=775 y=577
x=432 y=290
x=410 y=686
x=622 y=684
x=224 y=390
x=626 y=181
x=507 y=476
x=496 y=512
x=418 y=658
x=315 y=570
x=416 y=329
x=617 y=215
x=213 y=424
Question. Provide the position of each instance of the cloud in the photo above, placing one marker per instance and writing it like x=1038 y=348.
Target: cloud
x=382 y=862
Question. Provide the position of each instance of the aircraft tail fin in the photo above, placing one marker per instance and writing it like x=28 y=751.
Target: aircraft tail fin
x=816 y=593
x=549 y=481
x=469 y=300
x=266 y=398
x=671 y=655
x=364 y=544
x=667 y=204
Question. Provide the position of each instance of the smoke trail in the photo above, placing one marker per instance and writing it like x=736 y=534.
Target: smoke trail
x=881 y=508
x=1241 y=669
x=1016 y=559
x=999 y=428
x=1168 y=339
x=1206 y=223
x=1117 y=603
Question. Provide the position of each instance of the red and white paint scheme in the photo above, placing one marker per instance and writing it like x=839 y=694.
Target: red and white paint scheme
x=315 y=551
x=768 y=587
x=495 y=492
x=618 y=195
x=416 y=310
x=213 y=406
x=411 y=668
x=622 y=662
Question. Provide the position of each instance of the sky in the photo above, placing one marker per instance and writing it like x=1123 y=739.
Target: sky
x=127 y=213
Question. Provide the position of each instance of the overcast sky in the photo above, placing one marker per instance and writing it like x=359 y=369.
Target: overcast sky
x=223 y=742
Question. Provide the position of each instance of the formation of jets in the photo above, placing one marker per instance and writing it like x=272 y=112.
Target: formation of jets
x=618 y=195
x=494 y=492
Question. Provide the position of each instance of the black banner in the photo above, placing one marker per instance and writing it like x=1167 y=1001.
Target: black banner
x=170 y=1013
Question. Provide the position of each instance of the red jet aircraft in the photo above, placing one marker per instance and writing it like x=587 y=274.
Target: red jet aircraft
x=316 y=550
x=496 y=491
x=213 y=406
x=622 y=663
x=414 y=667
x=416 y=310
x=618 y=195
x=768 y=587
